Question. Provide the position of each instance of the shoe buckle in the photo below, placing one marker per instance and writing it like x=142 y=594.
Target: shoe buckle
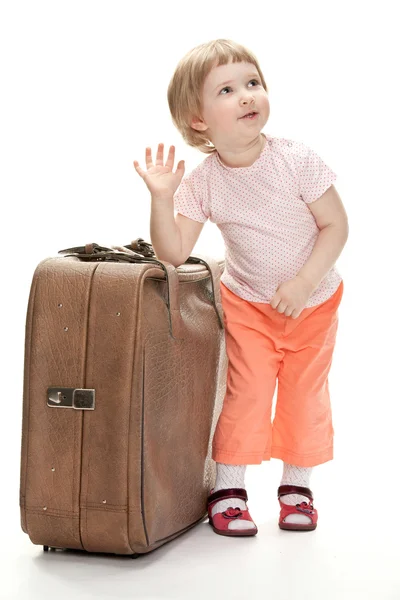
x=305 y=508
x=232 y=513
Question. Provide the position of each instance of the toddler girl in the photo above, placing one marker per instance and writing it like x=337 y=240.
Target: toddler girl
x=284 y=226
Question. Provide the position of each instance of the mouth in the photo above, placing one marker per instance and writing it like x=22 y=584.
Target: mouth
x=250 y=115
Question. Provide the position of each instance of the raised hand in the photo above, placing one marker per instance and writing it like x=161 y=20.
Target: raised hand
x=160 y=179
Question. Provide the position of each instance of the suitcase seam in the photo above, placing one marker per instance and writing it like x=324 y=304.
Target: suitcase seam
x=28 y=408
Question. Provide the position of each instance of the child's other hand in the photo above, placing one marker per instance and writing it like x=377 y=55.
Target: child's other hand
x=161 y=181
x=292 y=296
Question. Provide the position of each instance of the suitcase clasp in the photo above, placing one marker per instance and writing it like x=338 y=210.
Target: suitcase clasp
x=77 y=398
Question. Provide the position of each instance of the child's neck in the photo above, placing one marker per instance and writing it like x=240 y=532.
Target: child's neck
x=243 y=158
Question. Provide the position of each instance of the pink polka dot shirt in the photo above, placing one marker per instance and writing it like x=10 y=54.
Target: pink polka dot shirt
x=262 y=213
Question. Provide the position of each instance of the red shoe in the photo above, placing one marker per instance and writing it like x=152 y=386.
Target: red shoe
x=305 y=508
x=220 y=521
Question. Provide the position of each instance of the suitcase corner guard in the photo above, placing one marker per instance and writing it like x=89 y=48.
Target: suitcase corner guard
x=77 y=398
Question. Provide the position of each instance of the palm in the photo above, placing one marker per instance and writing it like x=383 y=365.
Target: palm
x=159 y=178
x=159 y=173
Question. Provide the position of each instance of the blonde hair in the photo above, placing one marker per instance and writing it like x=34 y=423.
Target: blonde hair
x=186 y=86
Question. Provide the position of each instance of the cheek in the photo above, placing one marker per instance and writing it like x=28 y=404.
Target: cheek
x=221 y=113
x=213 y=114
x=263 y=101
x=228 y=108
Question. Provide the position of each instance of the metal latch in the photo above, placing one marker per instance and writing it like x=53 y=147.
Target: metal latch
x=77 y=398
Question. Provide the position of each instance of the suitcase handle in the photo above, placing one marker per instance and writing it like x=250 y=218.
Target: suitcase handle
x=142 y=252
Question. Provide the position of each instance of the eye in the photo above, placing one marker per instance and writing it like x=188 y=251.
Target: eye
x=229 y=88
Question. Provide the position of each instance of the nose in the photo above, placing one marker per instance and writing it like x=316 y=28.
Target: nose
x=247 y=99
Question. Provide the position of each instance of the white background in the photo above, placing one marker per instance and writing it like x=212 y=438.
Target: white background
x=83 y=92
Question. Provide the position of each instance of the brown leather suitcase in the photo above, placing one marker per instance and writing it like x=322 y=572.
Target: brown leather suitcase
x=124 y=378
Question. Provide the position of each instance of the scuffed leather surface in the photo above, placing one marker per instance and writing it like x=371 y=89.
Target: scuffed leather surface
x=180 y=383
x=51 y=438
x=146 y=448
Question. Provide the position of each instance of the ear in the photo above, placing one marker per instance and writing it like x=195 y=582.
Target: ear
x=198 y=124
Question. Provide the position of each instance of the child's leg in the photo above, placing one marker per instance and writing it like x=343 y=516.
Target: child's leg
x=302 y=431
x=293 y=475
x=243 y=430
x=302 y=427
x=231 y=476
x=243 y=433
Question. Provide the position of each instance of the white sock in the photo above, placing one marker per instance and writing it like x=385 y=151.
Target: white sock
x=231 y=476
x=293 y=475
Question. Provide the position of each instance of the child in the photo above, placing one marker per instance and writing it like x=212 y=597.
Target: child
x=284 y=227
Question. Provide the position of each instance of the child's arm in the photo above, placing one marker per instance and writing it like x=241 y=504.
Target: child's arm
x=331 y=219
x=190 y=231
x=172 y=238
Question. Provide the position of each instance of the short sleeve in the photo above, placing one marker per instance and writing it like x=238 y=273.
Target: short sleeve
x=314 y=175
x=190 y=197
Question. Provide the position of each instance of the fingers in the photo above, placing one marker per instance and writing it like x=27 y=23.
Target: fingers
x=148 y=159
x=159 y=159
x=160 y=155
x=171 y=157
x=139 y=169
x=180 y=169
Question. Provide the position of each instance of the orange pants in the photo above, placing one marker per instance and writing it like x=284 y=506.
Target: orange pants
x=263 y=346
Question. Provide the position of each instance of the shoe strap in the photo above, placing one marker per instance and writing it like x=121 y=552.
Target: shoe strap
x=284 y=490
x=226 y=494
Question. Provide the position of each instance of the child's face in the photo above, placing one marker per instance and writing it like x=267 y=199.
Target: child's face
x=224 y=104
